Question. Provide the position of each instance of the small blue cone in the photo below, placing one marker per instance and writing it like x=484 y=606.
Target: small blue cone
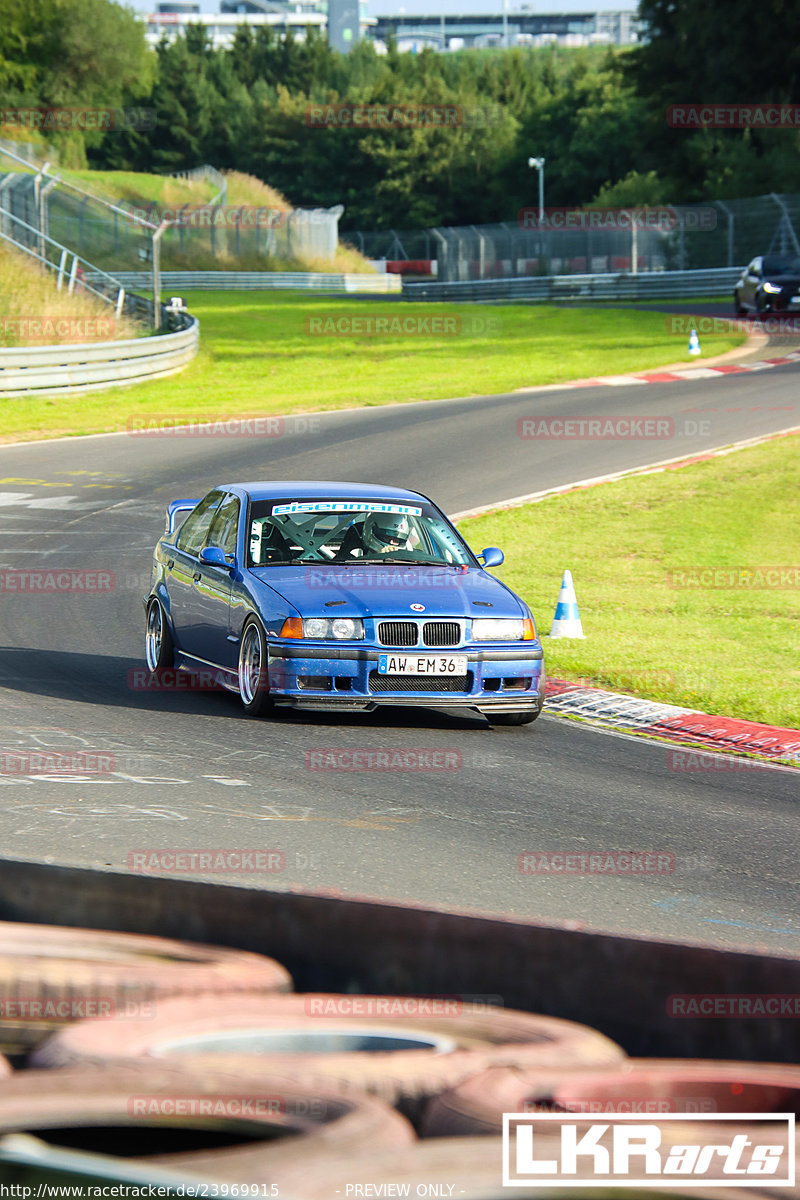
x=567 y=619
x=694 y=343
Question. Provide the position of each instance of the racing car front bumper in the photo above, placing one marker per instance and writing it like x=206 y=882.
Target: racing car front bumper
x=498 y=679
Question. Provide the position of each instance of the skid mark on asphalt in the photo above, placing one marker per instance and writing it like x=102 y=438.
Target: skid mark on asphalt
x=306 y=814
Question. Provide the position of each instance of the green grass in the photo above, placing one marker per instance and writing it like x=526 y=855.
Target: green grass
x=730 y=650
x=257 y=358
x=136 y=187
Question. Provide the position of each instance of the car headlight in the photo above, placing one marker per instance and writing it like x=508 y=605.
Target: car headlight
x=339 y=629
x=772 y=289
x=503 y=629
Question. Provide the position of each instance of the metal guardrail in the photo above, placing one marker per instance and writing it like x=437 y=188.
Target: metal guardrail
x=37 y=245
x=175 y=281
x=644 y=286
x=92 y=366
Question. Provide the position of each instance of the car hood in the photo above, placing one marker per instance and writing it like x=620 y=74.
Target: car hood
x=379 y=591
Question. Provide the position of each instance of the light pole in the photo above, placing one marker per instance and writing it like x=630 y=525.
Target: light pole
x=539 y=164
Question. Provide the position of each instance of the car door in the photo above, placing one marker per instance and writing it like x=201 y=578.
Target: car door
x=185 y=566
x=210 y=598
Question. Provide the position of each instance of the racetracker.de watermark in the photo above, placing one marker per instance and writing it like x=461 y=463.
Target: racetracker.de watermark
x=333 y=758
x=227 y=1107
x=407 y=325
x=597 y=862
x=694 y=761
x=65 y=119
x=56 y=762
x=734 y=116
x=58 y=329
x=56 y=581
x=776 y=325
x=217 y=427
x=74 y=1008
x=755 y=1004
x=601 y=429
x=171 y=679
x=628 y=1104
x=566 y=1150
x=400 y=1006
x=395 y=577
x=699 y=219
x=214 y=216
x=733 y=578
x=629 y=681
x=215 y=861
x=401 y=116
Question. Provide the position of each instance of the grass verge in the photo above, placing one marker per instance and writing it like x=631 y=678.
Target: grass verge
x=655 y=624
x=33 y=313
x=260 y=355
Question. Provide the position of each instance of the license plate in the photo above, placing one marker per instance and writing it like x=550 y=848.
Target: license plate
x=422 y=664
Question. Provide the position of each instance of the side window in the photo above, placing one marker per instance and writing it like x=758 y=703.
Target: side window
x=194 y=529
x=225 y=526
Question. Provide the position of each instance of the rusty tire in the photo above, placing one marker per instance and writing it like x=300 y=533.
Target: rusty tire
x=51 y=975
x=476 y=1105
x=208 y=1123
x=412 y=1054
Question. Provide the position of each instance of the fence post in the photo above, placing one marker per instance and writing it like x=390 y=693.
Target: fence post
x=73 y=275
x=158 y=234
x=62 y=264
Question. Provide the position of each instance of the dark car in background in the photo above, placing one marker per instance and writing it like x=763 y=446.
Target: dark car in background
x=770 y=283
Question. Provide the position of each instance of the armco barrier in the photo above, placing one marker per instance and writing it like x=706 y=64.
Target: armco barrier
x=619 y=984
x=91 y=366
x=647 y=285
x=320 y=281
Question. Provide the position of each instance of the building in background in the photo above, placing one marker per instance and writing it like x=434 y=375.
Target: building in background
x=516 y=27
x=344 y=23
x=297 y=16
x=347 y=20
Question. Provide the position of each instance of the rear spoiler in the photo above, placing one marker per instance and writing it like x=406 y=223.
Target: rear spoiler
x=176 y=511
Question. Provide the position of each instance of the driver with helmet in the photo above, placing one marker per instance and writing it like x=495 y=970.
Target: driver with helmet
x=381 y=533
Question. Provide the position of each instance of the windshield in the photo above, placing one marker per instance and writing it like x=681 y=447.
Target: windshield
x=782 y=266
x=352 y=531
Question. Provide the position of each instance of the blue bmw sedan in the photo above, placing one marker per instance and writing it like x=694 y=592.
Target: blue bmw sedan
x=339 y=596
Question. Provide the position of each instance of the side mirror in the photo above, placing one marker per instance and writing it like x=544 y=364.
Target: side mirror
x=215 y=556
x=491 y=556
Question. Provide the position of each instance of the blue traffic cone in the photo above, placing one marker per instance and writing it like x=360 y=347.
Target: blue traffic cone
x=567 y=619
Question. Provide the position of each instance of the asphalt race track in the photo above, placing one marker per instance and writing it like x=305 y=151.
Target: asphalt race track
x=187 y=771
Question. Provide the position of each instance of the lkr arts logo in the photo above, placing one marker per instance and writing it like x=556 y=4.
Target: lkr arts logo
x=702 y=1149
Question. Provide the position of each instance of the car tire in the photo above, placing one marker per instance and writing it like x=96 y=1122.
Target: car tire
x=476 y=1106
x=159 y=648
x=53 y=975
x=254 y=669
x=738 y=307
x=259 y=1124
x=302 y=1035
